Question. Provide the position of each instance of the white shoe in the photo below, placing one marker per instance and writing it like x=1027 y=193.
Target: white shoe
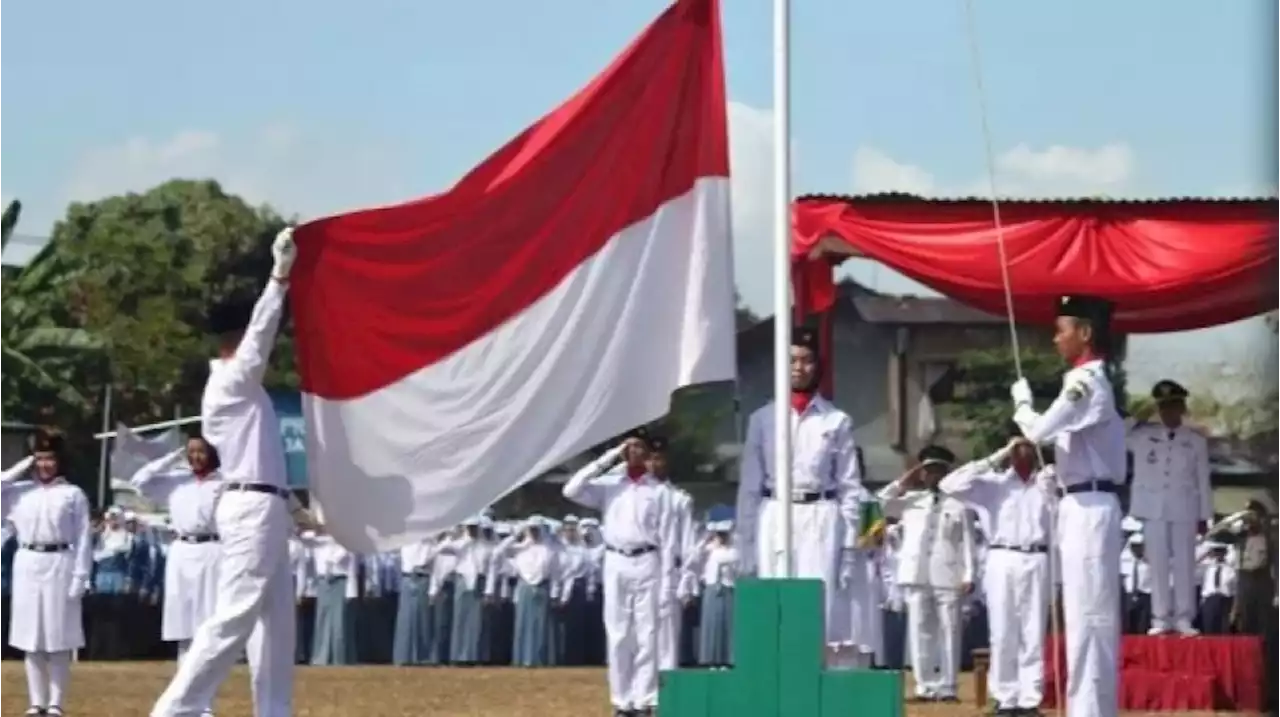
x=1185 y=629
x=1158 y=630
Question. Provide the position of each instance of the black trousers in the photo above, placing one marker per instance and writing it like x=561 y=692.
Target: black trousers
x=1215 y=615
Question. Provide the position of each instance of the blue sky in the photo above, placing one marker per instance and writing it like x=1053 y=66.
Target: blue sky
x=326 y=105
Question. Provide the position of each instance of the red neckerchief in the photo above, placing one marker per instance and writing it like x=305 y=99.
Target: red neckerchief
x=800 y=400
x=1086 y=357
x=1026 y=477
x=201 y=475
x=634 y=474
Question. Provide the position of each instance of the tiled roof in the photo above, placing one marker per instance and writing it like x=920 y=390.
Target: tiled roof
x=919 y=310
x=903 y=197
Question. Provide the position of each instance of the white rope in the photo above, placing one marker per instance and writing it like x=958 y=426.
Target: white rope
x=989 y=152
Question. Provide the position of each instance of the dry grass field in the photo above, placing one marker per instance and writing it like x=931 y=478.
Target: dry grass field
x=127 y=689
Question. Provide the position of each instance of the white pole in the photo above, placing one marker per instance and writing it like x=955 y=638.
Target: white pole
x=103 y=468
x=782 y=273
x=151 y=426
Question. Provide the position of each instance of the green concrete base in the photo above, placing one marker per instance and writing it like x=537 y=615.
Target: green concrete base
x=778 y=645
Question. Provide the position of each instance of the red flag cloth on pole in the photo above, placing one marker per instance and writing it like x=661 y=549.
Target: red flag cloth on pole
x=455 y=347
x=1169 y=265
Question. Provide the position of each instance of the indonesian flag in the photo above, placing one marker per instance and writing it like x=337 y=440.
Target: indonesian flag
x=453 y=348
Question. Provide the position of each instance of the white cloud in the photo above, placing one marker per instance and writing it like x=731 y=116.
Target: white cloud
x=1055 y=171
x=751 y=176
x=278 y=164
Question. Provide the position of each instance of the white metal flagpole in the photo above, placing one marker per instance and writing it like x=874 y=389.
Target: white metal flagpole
x=782 y=274
x=103 y=452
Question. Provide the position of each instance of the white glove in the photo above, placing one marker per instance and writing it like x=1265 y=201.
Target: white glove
x=1021 y=392
x=78 y=586
x=283 y=251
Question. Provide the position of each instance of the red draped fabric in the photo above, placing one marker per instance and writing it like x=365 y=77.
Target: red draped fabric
x=1168 y=265
x=1170 y=674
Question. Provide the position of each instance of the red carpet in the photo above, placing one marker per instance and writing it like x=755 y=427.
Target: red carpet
x=1178 y=674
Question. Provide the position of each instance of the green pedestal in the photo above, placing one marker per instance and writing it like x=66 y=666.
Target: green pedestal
x=777 y=652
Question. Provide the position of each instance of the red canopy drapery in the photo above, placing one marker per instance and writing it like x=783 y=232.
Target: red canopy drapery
x=1170 y=265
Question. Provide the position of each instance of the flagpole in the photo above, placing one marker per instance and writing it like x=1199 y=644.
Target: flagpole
x=782 y=275
x=104 y=453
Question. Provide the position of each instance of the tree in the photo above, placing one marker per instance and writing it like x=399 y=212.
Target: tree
x=744 y=317
x=43 y=358
x=146 y=267
x=982 y=409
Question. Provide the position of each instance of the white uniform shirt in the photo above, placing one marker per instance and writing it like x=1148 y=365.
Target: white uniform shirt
x=534 y=562
x=191 y=500
x=1014 y=513
x=239 y=419
x=471 y=558
x=1219 y=579
x=823 y=457
x=332 y=561
x=55 y=513
x=719 y=564
x=1084 y=426
x=415 y=558
x=1170 y=474
x=1138 y=579
x=937 y=548
x=635 y=514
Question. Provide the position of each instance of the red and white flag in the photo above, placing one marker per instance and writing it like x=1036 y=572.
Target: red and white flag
x=453 y=348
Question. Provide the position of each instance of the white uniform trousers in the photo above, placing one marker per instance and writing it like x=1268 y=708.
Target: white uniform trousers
x=1171 y=549
x=669 y=621
x=630 y=586
x=1089 y=524
x=1016 y=585
x=254 y=613
x=933 y=638
x=817 y=532
x=47 y=676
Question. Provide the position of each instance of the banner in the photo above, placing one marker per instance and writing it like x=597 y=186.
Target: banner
x=130 y=451
x=293 y=431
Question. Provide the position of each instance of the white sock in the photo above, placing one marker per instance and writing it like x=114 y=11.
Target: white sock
x=37 y=678
x=59 y=676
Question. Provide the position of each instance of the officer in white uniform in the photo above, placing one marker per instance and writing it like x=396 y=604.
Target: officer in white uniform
x=639 y=566
x=1088 y=436
x=1013 y=500
x=50 y=519
x=1172 y=497
x=827 y=491
x=186 y=482
x=254 y=612
x=936 y=569
x=681 y=504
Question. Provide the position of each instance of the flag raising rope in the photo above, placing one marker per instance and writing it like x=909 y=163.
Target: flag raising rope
x=989 y=155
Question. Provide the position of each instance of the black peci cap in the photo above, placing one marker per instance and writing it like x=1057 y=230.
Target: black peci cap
x=1166 y=391
x=805 y=338
x=228 y=317
x=658 y=444
x=48 y=440
x=936 y=455
x=1091 y=308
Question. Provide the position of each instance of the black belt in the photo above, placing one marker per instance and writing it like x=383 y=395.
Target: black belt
x=418 y=574
x=267 y=488
x=46 y=547
x=632 y=552
x=199 y=538
x=1101 y=485
x=804 y=496
x=1021 y=548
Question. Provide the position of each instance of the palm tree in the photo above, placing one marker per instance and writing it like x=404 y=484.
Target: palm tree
x=37 y=353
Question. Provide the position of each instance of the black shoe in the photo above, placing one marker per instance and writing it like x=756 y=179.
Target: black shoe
x=34 y=711
x=53 y=712
x=1029 y=712
x=948 y=700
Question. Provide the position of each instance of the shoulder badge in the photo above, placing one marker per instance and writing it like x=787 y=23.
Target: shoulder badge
x=1077 y=391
